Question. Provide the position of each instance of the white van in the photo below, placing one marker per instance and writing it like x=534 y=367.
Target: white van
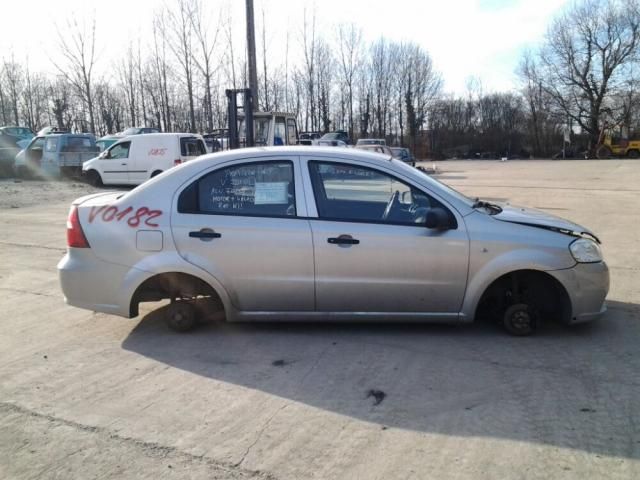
x=135 y=159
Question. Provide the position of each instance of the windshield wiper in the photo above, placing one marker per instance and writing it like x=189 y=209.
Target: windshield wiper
x=492 y=207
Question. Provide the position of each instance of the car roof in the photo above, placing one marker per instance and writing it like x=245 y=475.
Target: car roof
x=163 y=134
x=187 y=170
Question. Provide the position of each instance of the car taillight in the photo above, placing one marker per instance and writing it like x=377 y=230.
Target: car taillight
x=75 y=235
x=177 y=161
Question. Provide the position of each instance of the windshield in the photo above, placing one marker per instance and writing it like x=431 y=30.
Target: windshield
x=451 y=191
x=331 y=136
x=260 y=130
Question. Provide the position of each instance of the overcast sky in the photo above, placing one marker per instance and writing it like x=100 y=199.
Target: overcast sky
x=466 y=38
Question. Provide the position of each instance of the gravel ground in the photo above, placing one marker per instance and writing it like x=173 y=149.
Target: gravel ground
x=86 y=395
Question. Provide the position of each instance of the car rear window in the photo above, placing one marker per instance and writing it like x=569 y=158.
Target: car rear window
x=79 y=144
x=251 y=189
x=192 y=147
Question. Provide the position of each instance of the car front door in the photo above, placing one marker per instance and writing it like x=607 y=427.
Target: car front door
x=115 y=164
x=33 y=152
x=244 y=224
x=373 y=252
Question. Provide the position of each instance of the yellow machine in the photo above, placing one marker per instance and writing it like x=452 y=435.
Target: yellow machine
x=614 y=142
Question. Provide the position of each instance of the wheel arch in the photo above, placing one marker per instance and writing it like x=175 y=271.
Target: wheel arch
x=172 y=284
x=544 y=290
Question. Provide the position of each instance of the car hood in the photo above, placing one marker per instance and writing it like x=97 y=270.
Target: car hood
x=540 y=219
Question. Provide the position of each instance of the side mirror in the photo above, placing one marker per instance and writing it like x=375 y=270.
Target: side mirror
x=406 y=198
x=437 y=218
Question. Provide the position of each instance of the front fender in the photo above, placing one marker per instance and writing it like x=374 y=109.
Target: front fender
x=511 y=261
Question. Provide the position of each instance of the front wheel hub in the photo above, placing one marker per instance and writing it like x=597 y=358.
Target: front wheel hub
x=520 y=320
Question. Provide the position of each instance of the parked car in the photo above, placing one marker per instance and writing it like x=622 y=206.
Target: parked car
x=108 y=140
x=338 y=135
x=403 y=154
x=138 y=131
x=56 y=154
x=133 y=160
x=21 y=133
x=308 y=138
x=329 y=143
x=371 y=141
x=217 y=140
x=383 y=149
x=8 y=151
x=322 y=234
x=28 y=160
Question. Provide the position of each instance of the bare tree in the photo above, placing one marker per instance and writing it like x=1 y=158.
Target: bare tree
x=206 y=39
x=161 y=70
x=349 y=54
x=309 y=53
x=127 y=72
x=13 y=75
x=34 y=99
x=78 y=51
x=181 y=22
x=585 y=56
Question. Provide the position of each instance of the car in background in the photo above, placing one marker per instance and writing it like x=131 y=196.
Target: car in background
x=308 y=138
x=105 y=142
x=8 y=151
x=21 y=136
x=29 y=159
x=21 y=133
x=403 y=154
x=55 y=155
x=371 y=141
x=50 y=129
x=319 y=234
x=135 y=159
x=216 y=140
x=338 y=135
x=376 y=148
x=108 y=140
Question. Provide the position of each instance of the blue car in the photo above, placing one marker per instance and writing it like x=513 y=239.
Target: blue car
x=56 y=155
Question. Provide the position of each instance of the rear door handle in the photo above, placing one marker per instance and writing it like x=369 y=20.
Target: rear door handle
x=205 y=234
x=343 y=240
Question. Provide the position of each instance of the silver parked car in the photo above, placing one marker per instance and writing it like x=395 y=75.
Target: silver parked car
x=310 y=233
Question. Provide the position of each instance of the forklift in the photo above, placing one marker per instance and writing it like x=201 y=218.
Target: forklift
x=257 y=129
x=614 y=142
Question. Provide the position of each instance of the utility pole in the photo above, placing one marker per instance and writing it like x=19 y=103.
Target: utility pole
x=251 y=54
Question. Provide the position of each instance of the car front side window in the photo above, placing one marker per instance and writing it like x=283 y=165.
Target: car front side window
x=263 y=189
x=346 y=192
x=51 y=145
x=119 y=151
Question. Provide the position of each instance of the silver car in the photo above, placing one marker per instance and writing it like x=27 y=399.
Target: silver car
x=299 y=233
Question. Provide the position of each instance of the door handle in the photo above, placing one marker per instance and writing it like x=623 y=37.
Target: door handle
x=343 y=240
x=205 y=234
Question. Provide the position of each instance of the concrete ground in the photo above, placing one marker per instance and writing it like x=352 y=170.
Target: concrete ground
x=88 y=396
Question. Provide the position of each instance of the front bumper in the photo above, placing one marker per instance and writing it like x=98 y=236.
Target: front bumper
x=93 y=284
x=587 y=285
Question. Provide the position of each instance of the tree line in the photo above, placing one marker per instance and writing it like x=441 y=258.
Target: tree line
x=584 y=74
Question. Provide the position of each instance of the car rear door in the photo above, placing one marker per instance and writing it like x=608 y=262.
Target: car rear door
x=368 y=263
x=244 y=223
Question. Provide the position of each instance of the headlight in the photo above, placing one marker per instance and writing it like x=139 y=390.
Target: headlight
x=585 y=251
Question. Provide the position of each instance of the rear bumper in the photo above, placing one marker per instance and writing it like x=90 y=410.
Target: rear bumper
x=587 y=285
x=90 y=283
